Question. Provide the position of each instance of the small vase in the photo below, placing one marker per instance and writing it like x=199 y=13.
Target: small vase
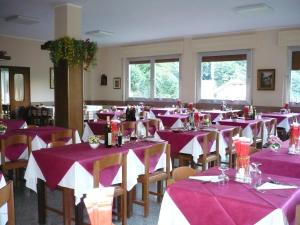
x=274 y=148
x=2 y=131
x=94 y=145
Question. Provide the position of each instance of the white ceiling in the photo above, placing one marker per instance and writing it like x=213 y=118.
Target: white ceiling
x=134 y=21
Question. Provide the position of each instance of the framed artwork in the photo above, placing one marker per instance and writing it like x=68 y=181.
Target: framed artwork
x=117 y=83
x=51 y=78
x=266 y=79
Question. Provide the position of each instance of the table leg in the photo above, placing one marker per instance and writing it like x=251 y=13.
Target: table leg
x=41 y=201
x=67 y=205
x=79 y=212
x=130 y=203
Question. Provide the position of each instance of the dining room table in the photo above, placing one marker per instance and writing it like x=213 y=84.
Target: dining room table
x=217 y=114
x=13 y=124
x=284 y=120
x=74 y=167
x=248 y=127
x=212 y=201
x=192 y=141
x=113 y=115
x=173 y=120
x=3 y=209
x=40 y=138
x=278 y=162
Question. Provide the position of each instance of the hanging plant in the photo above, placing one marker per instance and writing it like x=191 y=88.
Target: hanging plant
x=75 y=52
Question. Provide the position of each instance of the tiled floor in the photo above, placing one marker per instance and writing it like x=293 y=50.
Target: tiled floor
x=27 y=210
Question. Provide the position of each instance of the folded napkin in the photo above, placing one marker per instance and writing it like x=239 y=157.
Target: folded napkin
x=272 y=186
x=213 y=179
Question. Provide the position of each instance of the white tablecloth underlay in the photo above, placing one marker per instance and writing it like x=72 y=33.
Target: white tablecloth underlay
x=3 y=209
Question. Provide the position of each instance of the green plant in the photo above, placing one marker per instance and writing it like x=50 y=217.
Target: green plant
x=75 y=52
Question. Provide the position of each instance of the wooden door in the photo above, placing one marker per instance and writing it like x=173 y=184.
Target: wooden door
x=19 y=87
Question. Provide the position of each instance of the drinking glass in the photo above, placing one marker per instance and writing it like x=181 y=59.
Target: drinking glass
x=223 y=178
x=255 y=174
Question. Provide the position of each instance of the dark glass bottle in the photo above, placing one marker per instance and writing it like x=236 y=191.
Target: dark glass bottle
x=120 y=138
x=108 y=134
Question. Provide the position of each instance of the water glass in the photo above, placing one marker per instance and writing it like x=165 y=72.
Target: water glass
x=255 y=174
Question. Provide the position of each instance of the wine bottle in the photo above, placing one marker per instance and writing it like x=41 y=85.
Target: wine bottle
x=120 y=138
x=108 y=134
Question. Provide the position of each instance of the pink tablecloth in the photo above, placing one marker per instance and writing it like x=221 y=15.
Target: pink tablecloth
x=104 y=115
x=233 y=203
x=13 y=124
x=280 y=117
x=279 y=163
x=64 y=157
x=169 y=120
x=179 y=139
x=242 y=123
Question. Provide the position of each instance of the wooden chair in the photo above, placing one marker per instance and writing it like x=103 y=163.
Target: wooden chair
x=272 y=126
x=56 y=144
x=151 y=177
x=230 y=150
x=7 y=196
x=258 y=135
x=63 y=135
x=120 y=190
x=209 y=158
x=128 y=126
x=17 y=164
x=183 y=172
x=32 y=126
x=297 y=217
x=152 y=123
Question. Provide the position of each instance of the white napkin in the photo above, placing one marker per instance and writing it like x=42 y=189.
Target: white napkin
x=213 y=179
x=272 y=186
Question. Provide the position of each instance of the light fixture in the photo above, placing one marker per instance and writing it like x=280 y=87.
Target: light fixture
x=252 y=9
x=21 y=19
x=99 y=33
x=4 y=56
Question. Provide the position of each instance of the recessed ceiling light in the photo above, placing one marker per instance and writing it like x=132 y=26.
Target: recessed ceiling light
x=99 y=33
x=254 y=8
x=21 y=19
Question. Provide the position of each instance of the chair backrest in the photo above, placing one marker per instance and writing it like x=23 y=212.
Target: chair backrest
x=157 y=149
x=56 y=144
x=63 y=134
x=128 y=126
x=273 y=125
x=182 y=172
x=14 y=140
x=7 y=196
x=152 y=123
x=211 y=137
x=118 y=159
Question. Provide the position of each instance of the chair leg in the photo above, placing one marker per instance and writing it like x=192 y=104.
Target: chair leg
x=146 y=198
x=159 y=190
x=124 y=208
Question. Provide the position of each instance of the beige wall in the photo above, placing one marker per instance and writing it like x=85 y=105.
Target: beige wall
x=269 y=48
x=28 y=53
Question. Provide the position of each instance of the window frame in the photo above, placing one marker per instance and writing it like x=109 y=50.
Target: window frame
x=152 y=60
x=249 y=80
x=288 y=79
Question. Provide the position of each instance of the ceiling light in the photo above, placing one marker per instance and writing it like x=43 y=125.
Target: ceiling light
x=99 y=33
x=254 y=8
x=21 y=19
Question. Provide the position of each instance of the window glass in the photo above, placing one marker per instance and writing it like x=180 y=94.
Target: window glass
x=139 y=80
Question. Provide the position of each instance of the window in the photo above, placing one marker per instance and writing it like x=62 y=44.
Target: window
x=295 y=77
x=225 y=76
x=153 y=77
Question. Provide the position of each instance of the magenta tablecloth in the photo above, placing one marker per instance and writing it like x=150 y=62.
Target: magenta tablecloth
x=279 y=163
x=13 y=124
x=64 y=157
x=162 y=111
x=180 y=139
x=233 y=203
x=97 y=127
x=104 y=115
x=169 y=120
x=241 y=123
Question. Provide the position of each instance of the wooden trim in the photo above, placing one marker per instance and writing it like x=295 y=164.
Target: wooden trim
x=139 y=62
x=296 y=60
x=166 y=60
x=219 y=58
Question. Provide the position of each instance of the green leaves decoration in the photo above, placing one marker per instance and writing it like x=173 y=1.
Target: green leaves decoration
x=75 y=52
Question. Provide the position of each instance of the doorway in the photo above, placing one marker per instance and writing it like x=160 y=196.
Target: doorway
x=15 y=89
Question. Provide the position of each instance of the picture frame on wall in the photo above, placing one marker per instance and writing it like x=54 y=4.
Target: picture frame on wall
x=117 y=83
x=266 y=79
x=51 y=78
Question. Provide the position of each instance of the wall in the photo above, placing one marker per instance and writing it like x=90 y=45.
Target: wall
x=28 y=53
x=270 y=50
